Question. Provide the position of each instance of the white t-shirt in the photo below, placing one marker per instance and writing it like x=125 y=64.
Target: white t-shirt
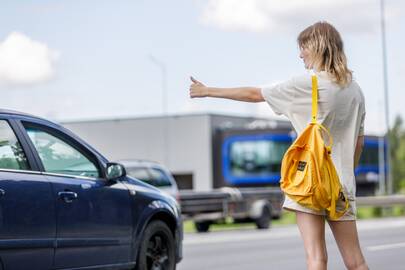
x=341 y=110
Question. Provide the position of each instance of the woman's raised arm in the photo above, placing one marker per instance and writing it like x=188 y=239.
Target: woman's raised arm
x=247 y=94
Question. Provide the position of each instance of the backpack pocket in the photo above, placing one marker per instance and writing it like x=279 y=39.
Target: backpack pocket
x=299 y=173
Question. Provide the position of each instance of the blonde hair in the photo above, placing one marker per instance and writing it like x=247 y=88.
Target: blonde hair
x=326 y=49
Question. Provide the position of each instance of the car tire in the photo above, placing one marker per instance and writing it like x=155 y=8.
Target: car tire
x=157 y=249
x=264 y=221
x=202 y=226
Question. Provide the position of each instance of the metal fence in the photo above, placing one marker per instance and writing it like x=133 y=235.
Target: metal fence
x=381 y=200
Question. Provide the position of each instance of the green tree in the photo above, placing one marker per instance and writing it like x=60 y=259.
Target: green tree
x=397 y=143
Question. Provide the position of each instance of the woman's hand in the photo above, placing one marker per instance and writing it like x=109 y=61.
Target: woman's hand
x=197 y=89
x=248 y=94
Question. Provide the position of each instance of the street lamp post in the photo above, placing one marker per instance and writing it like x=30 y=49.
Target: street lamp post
x=385 y=79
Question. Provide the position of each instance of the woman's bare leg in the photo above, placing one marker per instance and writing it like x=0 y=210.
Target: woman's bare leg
x=345 y=233
x=312 y=229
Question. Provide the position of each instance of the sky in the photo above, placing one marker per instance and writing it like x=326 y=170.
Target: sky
x=70 y=60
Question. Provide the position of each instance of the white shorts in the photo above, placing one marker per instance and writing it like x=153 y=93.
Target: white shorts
x=350 y=214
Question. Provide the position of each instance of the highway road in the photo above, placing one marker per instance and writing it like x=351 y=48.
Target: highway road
x=382 y=241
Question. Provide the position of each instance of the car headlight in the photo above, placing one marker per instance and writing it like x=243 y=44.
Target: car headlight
x=372 y=177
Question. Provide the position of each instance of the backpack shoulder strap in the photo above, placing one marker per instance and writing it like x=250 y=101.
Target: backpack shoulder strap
x=314 y=98
x=315 y=110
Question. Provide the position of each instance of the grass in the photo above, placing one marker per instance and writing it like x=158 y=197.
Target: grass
x=287 y=218
x=365 y=212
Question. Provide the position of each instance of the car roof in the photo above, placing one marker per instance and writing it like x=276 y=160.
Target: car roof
x=27 y=115
x=23 y=114
x=50 y=123
x=5 y=111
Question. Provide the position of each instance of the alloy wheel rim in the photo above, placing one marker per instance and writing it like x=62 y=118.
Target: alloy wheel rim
x=157 y=253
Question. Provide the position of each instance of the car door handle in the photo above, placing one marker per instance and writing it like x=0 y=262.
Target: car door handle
x=67 y=196
x=2 y=192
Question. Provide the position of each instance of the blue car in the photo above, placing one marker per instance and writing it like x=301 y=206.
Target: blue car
x=64 y=206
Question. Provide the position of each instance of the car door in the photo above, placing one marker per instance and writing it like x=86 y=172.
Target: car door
x=94 y=218
x=27 y=210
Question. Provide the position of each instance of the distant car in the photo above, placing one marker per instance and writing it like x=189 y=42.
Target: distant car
x=152 y=173
x=64 y=206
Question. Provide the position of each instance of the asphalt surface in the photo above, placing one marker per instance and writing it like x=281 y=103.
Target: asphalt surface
x=382 y=241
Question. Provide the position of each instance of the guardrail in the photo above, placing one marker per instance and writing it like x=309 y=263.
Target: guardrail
x=381 y=200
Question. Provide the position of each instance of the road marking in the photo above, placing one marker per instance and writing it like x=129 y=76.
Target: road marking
x=290 y=231
x=378 y=224
x=388 y=246
x=240 y=236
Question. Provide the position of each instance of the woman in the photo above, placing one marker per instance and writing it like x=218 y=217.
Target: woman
x=341 y=109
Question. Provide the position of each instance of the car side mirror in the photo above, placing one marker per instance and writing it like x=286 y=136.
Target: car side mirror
x=115 y=170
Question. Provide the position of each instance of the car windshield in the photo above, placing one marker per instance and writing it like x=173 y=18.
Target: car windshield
x=160 y=179
x=152 y=176
x=369 y=156
x=139 y=173
x=256 y=157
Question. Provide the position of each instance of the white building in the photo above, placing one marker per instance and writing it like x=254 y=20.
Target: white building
x=183 y=143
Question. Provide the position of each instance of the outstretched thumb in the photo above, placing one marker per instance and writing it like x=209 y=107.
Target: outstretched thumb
x=193 y=80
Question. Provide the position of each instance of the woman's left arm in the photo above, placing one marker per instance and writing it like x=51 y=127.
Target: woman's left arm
x=247 y=94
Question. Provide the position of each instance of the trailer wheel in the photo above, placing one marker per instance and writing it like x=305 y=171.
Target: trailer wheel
x=263 y=222
x=202 y=226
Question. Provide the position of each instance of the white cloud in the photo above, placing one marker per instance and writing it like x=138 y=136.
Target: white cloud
x=236 y=15
x=293 y=15
x=24 y=61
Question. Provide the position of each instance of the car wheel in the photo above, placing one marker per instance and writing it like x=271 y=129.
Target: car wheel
x=263 y=222
x=202 y=226
x=157 y=249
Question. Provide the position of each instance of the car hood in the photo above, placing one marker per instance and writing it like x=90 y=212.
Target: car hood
x=140 y=186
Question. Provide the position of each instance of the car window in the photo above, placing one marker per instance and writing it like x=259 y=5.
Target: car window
x=12 y=155
x=139 y=173
x=59 y=157
x=159 y=178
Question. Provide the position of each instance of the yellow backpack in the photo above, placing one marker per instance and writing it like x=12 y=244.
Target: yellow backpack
x=308 y=175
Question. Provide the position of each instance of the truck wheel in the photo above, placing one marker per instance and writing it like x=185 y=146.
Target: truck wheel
x=263 y=222
x=202 y=226
x=157 y=249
